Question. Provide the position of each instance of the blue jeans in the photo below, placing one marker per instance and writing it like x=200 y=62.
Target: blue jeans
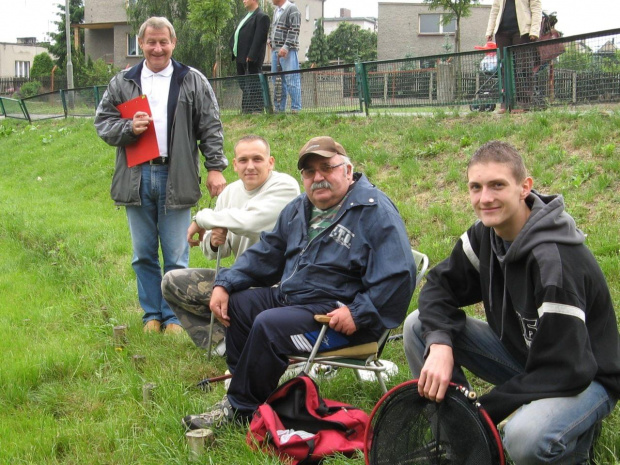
x=555 y=430
x=291 y=83
x=151 y=224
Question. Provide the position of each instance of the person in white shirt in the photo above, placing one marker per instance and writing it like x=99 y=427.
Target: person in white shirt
x=243 y=210
x=158 y=195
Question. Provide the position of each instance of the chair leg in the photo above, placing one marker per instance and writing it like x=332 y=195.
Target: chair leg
x=381 y=381
x=315 y=349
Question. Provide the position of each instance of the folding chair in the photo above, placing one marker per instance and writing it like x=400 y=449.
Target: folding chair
x=360 y=357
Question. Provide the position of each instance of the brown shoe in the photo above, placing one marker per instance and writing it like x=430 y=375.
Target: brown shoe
x=173 y=328
x=152 y=326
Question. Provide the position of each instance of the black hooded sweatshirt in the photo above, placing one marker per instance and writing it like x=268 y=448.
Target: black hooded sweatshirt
x=545 y=297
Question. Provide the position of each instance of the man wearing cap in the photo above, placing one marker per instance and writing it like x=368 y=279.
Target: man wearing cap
x=340 y=249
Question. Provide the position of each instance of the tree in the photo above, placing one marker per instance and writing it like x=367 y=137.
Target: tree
x=318 y=52
x=350 y=43
x=42 y=65
x=456 y=9
x=210 y=17
x=59 y=39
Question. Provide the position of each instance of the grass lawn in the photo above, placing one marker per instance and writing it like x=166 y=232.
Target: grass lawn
x=67 y=396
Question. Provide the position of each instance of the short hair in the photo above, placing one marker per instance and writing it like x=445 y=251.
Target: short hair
x=347 y=161
x=500 y=152
x=252 y=138
x=157 y=22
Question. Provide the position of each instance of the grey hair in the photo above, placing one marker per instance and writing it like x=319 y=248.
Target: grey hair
x=157 y=22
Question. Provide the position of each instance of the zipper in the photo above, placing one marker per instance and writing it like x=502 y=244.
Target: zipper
x=308 y=245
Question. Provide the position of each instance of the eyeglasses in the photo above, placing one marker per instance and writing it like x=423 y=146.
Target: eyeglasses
x=325 y=170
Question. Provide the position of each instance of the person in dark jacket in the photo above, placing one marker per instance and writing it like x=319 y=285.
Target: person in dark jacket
x=340 y=249
x=550 y=342
x=159 y=194
x=248 y=44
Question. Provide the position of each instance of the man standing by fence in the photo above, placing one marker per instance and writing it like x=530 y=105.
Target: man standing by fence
x=159 y=193
x=284 y=43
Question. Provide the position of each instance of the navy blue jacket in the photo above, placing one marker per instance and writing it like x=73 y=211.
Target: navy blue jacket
x=363 y=259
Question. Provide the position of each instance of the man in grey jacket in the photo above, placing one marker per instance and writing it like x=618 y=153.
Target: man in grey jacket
x=159 y=193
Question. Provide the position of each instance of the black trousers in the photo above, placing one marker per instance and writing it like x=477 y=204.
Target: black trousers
x=523 y=64
x=263 y=331
x=252 y=99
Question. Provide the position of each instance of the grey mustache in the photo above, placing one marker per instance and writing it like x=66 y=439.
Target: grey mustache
x=320 y=185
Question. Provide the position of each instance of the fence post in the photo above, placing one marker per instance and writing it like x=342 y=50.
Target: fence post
x=264 y=84
x=508 y=82
x=63 y=98
x=97 y=97
x=362 y=85
x=22 y=104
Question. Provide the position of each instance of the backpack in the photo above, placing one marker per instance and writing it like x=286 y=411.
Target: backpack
x=296 y=424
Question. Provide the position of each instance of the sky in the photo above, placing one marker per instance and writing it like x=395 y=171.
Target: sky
x=35 y=18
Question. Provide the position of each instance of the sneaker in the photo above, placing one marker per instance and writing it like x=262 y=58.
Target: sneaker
x=173 y=329
x=152 y=326
x=220 y=414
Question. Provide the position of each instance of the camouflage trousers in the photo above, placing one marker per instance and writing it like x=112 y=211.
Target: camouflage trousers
x=188 y=292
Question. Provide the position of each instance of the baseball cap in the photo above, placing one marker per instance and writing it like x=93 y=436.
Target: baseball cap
x=324 y=146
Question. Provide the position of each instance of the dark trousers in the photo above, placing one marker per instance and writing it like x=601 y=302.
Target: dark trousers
x=263 y=331
x=523 y=64
x=252 y=99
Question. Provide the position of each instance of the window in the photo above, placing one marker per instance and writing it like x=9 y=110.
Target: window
x=431 y=24
x=133 y=50
x=22 y=69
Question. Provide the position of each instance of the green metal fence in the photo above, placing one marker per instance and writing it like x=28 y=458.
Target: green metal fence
x=332 y=89
x=583 y=69
x=573 y=70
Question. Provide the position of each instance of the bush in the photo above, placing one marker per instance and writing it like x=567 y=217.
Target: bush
x=30 y=89
x=42 y=65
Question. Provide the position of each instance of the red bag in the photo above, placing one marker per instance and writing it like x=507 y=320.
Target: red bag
x=296 y=424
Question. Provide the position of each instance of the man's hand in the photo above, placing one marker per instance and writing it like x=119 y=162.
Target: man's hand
x=219 y=305
x=215 y=182
x=533 y=38
x=282 y=52
x=436 y=372
x=140 y=122
x=192 y=231
x=342 y=321
x=218 y=237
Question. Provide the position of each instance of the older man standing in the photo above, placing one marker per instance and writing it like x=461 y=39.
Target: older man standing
x=284 y=43
x=159 y=194
x=248 y=44
x=341 y=249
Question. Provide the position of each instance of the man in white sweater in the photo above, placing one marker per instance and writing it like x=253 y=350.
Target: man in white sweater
x=243 y=210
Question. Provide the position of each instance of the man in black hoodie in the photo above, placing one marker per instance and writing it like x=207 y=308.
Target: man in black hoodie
x=550 y=343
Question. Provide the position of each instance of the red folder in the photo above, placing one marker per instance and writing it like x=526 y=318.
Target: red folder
x=145 y=148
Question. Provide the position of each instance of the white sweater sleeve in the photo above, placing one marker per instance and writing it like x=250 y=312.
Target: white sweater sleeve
x=248 y=214
x=258 y=214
